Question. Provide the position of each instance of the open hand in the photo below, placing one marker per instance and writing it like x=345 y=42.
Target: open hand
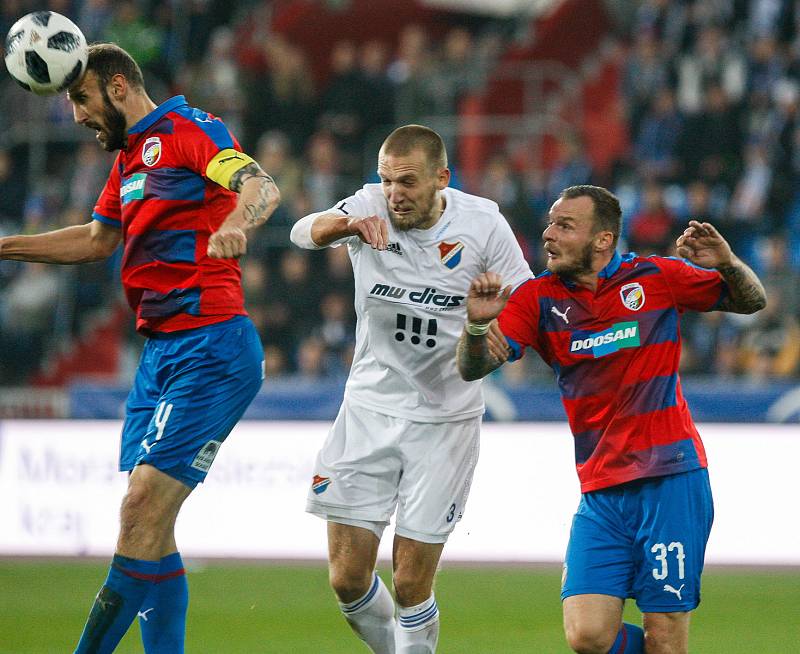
x=486 y=297
x=704 y=246
x=370 y=229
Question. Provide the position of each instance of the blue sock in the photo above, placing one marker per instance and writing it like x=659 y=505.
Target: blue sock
x=162 y=616
x=116 y=604
x=630 y=640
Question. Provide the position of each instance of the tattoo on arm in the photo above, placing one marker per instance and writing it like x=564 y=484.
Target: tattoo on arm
x=746 y=293
x=244 y=173
x=474 y=360
x=257 y=211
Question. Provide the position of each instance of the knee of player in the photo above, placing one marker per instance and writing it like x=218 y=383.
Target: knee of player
x=349 y=583
x=667 y=630
x=586 y=638
x=143 y=509
x=411 y=588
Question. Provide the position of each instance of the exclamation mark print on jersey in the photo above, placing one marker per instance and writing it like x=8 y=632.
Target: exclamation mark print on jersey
x=416 y=327
x=431 y=342
x=401 y=327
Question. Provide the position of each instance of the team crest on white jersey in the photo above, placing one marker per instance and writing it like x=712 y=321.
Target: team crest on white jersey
x=151 y=151
x=632 y=296
x=450 y=253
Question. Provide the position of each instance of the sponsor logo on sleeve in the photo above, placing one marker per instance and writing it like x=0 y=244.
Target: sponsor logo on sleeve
x=632 y=296
x=599 y=344
x=151 y=151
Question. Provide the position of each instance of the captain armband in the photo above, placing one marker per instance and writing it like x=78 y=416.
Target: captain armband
x=225 y=163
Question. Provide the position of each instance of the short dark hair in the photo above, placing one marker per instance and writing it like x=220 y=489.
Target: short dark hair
x=108 y=59
x=607 y=212
x=410 y=137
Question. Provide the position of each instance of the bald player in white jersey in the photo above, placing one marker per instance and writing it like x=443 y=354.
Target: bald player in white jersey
x=407 y=434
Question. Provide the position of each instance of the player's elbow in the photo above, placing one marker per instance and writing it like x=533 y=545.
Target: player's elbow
x=101 y=247
x=759 y=303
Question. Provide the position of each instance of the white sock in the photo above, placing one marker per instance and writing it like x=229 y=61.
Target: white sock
x=418 y=629
x=372 y=617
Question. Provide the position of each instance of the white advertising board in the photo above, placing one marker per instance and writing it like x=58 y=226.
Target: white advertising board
x=61 y=492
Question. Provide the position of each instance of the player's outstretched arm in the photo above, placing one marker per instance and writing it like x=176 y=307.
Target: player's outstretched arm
x=477 y=354
x=76 y=244
x=258 y=198
x=704 y=246
x=318 y=230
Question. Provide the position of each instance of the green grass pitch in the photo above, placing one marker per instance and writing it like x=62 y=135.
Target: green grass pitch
x=255 y=608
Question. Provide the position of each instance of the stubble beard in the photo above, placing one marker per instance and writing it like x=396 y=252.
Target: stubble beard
x=580 y=267
x=116 y=137
x=414 y=219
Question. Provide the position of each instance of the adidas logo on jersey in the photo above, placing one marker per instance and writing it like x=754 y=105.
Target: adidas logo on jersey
x=426 y=297
x=394 y=247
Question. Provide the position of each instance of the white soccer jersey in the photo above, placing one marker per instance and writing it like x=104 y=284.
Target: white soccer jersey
x=410 y=302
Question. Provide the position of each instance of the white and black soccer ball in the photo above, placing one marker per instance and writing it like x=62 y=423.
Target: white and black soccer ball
x=45 y=52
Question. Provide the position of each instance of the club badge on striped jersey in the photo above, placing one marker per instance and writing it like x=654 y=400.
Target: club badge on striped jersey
x=632 y=296
x=450 y=253
x=151 y=151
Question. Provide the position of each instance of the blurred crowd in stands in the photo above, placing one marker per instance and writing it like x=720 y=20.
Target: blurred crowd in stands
x=710 y=91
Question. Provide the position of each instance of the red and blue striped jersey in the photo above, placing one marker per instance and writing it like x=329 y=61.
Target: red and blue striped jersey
x=159 y=195
x=615 y=353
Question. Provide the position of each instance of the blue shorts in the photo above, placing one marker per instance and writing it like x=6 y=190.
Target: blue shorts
x=645 y=539
x=191 y=388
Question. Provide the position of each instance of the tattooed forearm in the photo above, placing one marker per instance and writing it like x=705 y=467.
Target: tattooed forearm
x=473 y=357
x=257 y=201
x=746 y=293
x=258 y=211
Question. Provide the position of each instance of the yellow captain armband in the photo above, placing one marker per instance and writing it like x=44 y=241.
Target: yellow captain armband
x=224 y=164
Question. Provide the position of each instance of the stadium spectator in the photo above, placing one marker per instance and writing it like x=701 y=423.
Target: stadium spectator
x=709 y=144
x=770 y=347
x=13 y=189
x=409 y=73
x=646 y=499
x=571 y=166
x=341 y=105
x=203 y=362
x=406 y=436
x=651 y=229
x=656 y=144
x=646 y=70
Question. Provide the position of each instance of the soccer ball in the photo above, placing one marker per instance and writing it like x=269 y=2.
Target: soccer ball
x=45 y=52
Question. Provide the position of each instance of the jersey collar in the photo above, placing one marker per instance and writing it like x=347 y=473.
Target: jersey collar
x=164 y=108
x=611 y=267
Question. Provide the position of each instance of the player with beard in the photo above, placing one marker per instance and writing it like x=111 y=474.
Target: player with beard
x=406 y=437
x=607 y=323
x=180 y=198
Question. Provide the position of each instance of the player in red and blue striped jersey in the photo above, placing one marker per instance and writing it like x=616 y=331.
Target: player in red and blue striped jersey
x=608 y=325
x=180 y=197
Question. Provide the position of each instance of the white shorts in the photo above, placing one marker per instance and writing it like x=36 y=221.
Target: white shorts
x=372 y=464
